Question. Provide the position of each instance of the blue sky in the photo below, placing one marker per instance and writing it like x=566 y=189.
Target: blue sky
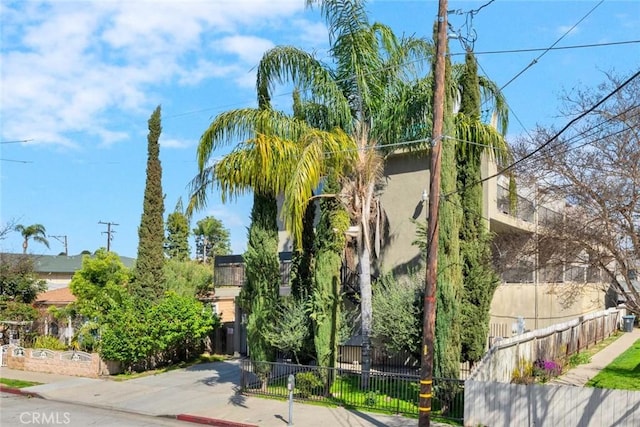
x=80 y=79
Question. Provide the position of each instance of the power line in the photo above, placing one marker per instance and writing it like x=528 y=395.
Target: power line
x=554 y=137
x=493 y=52
x=63 y=240
x=577 y=46
x=16 y=141
x=16 y=161
x=535 y=61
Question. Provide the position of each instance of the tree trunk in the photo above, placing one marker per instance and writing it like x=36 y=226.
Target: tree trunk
x=365 y=313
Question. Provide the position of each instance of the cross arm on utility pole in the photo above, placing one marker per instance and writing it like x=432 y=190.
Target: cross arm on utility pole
x=109 y=232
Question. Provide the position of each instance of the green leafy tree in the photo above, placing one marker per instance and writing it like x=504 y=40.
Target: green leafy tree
x=290 y=333
x=125 y=334
x=35 y=232
x=18 y=280
x=100 y=285
x=179 y=324
x=397 y=312
x=148 y=274
x=18 y=311
x=136 y=333
x=212 y=238
x=249 y=167
x=188 y=278
x=453 y=213
x=303 y=254
x=176 y=244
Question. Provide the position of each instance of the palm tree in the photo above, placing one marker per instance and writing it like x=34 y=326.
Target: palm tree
x=37 y=232
x=374 y=96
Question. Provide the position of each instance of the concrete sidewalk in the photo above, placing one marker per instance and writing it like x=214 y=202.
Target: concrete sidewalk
x=579 y=375
x=208 y=390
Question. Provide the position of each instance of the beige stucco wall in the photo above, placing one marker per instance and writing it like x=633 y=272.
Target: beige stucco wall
x=406 y=177
x=513 y=300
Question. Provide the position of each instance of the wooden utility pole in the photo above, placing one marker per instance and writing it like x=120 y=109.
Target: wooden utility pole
x=109 y=232
x=429 y=321
x=63 y=240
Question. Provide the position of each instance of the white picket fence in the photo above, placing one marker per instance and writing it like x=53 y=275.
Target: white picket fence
x=500 y=404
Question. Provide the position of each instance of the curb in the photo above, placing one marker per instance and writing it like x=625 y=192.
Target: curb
x=180 y=417
x=12 y=390
x=211 y=421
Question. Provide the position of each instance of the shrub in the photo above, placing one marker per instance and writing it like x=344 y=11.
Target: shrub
x=370 y=399
x=49 y=342
x=308 y=383
x=523 y=373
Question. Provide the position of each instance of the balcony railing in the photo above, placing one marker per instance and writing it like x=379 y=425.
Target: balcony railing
x=524 y=207
x=229 y=270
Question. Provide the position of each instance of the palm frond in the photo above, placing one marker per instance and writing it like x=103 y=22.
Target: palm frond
x=473 y=136
x=241 y=124
x=495 y=99
x=318 y=152
x=285 y=64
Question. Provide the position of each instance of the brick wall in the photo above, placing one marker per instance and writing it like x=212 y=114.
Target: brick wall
x=59 y=362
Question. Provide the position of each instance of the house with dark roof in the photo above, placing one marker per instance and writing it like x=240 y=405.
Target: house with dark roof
x=57 y=270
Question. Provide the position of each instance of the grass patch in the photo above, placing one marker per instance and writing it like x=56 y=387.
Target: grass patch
x=17 y=383
x=585 y=355
x=385 y=396
x=623 y=373
x=604 y=343
x=203 y=358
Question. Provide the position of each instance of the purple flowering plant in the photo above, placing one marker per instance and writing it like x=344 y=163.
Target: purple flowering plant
x=547 y=369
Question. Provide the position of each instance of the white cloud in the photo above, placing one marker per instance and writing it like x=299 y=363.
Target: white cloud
x=248 y=48
x=312 y=34
x=562 y=29
x=69 y=66
x=228 y=217
x=174 y=143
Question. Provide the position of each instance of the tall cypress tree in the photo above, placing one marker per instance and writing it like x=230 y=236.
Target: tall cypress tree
x=148 y=275
x=176 y=245
x=480 y=278
x=302 y=259
x=259 y=295
x=449 y=285
x=330 y=244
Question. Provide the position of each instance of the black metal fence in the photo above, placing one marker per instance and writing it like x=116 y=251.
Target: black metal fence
x=394 y=393
x=350 y=358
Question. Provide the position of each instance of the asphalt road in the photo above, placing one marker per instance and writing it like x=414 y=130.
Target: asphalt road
x=23 y=411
